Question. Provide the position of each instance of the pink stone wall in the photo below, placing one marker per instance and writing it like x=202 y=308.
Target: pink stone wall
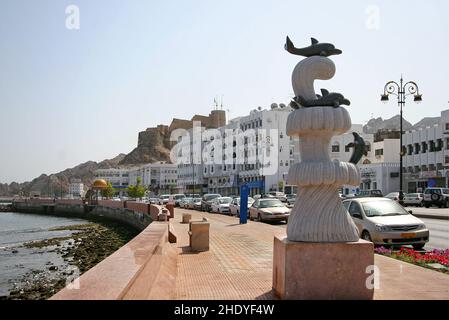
x=70 y=202
x=144 y=268
x=138 y=206
x=111 y=204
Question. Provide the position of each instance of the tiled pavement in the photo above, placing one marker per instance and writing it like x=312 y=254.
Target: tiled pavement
x=239 y=265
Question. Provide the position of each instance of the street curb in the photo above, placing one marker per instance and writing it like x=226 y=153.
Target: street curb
x=431 y=216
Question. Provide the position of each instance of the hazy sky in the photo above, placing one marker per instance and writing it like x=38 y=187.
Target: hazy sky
x=69 y=96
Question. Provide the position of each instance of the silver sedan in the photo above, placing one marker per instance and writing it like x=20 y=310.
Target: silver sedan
x=385 y=222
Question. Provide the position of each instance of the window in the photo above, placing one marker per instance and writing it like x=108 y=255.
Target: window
x=424 y=147
x=336 y=148
x=354 y=209
x=417 y=148
x=368 y=147
x=409 y=149
x=432 y=146
x=379 y=152
x=447 y=126
x=347 y=148
x=439 y=146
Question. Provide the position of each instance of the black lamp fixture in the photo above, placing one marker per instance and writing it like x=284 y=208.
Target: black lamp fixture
x=401 y=90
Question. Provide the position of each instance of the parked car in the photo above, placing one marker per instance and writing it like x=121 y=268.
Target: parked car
x=266 y=209
x=291 y=198
x=163 y=199
x=221 y=205
x=436 y=196
x=413 y=199
x=393 y=196
x=184 y=203
x=234 y=207
x=369 y=193
x=278 y=195
x=385 y=222
x=207 y=201
x=177 y=198
x=196 y=204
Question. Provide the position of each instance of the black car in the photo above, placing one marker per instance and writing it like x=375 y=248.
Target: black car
x=206 y=201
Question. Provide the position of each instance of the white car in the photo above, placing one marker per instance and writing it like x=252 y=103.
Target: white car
x=393 y=196
x=384 y=222
x=184 y=203
x=234 y=207
x=413 y=199
x=163 y=199
x=221 y=205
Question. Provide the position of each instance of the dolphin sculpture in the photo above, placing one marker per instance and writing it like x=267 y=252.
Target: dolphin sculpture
x=315 y=49
x=326 y=99
x=359 y=148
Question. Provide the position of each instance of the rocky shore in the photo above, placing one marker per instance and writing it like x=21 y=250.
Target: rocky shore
x=84 y=248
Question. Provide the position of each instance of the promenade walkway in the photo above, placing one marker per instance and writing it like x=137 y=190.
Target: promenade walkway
x=239 y=265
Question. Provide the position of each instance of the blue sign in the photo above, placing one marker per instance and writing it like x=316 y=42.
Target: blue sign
x=244 y=193
x=432 y=183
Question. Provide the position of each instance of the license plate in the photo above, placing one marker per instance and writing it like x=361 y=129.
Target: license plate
x=408 y=235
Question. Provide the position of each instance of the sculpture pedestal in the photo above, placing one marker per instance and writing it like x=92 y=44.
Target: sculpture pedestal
x=322 y=271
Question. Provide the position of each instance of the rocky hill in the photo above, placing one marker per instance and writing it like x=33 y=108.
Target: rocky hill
x=427 y=122
x=53 y=184
x=393 y=123
x=153 y=145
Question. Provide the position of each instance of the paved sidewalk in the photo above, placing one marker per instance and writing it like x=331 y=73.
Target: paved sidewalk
x=239 y=265
x=442 y=215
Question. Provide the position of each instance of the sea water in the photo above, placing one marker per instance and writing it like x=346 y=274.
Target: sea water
x=18 y=228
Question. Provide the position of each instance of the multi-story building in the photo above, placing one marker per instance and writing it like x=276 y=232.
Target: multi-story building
x=426 y=159
x=158 y=177
x=380 y=170
x=269 y=153
x=189 y=162
x=76 y=189
x=119 y=178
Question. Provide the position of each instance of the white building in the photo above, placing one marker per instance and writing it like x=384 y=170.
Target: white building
x=426 y=160
x=119 y=178
x=267 y=124
x=76 y=189
x=159 y=177
x=189 y=164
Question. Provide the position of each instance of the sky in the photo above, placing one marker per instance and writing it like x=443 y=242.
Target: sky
x=72 y=95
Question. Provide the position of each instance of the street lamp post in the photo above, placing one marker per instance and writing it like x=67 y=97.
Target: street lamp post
x=401 y=91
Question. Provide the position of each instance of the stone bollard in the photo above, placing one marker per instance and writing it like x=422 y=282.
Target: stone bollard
x=199 y=235
x=186 y=217
x=171 y=208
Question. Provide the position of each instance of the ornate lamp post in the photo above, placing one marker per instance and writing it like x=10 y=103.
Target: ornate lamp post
x=401 y=91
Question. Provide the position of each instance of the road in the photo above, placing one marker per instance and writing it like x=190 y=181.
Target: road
x=439 y=228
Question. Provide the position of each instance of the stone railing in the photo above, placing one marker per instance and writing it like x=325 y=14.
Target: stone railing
x=144 y=268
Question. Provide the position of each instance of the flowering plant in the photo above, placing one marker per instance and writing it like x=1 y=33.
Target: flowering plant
x=419 y=258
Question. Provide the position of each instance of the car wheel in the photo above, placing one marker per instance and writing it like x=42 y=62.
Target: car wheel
x=418 y=246
x=366 y=236
x=259 y=218
x=426 y=205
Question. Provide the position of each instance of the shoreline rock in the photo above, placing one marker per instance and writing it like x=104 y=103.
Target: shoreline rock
x=88 y=245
